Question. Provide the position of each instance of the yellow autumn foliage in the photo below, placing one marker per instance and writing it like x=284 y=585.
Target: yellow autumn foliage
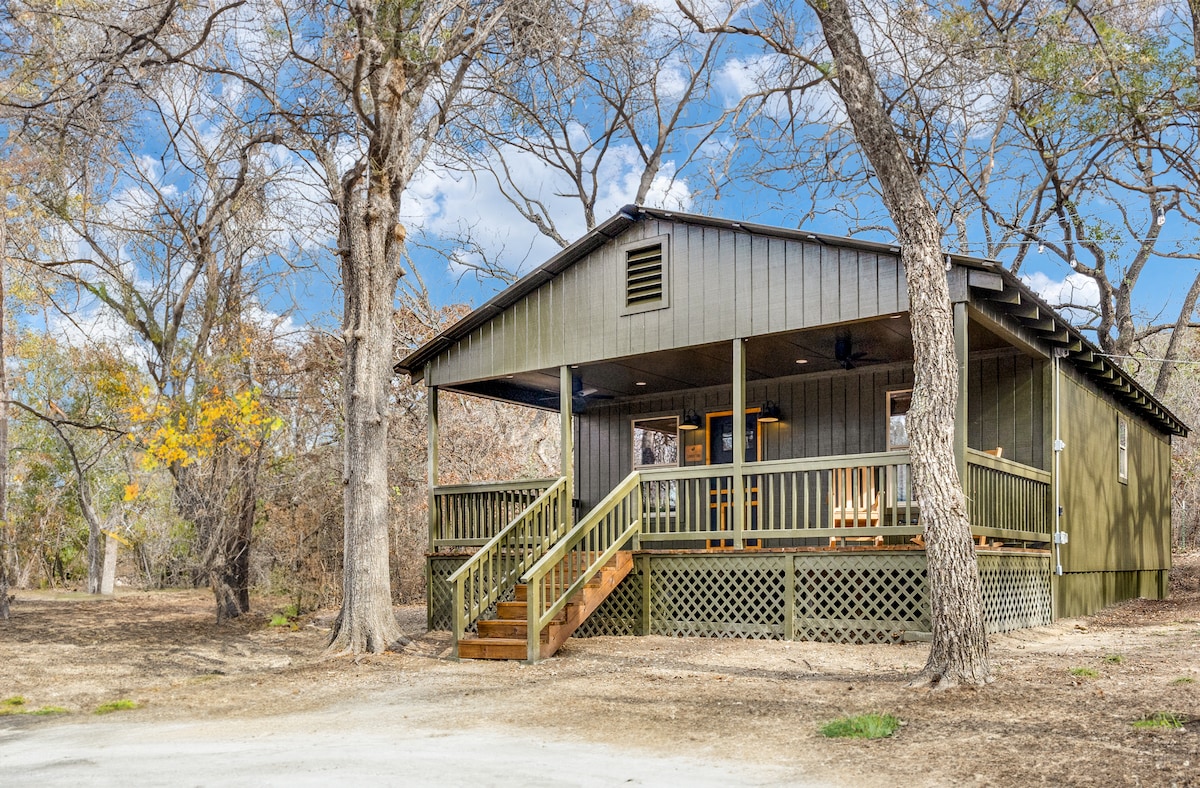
x=172 y=435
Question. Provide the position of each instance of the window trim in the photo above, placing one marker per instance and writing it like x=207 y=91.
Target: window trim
x=1122 y=450
x=664 y=243
x=637 y=466
x=889 y=395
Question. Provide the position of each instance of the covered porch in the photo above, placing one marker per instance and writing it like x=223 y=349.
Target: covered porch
x=740 y=518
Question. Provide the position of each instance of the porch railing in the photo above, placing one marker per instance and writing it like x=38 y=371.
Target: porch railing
x=495 y=569
x=468 y=515
x=1007 y=499
x=614 y=523
x=783 y=499
x=794 y=499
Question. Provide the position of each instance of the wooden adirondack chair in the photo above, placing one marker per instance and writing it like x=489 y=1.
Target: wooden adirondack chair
x=853 y=502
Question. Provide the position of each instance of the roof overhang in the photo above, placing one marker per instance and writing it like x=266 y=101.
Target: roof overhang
x=987 y=281
x=1015 y=299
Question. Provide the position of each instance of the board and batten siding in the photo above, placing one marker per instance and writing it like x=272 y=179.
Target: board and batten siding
x=827 y=414
x=1112 y=526
x=1006 y=406
x=724 y=284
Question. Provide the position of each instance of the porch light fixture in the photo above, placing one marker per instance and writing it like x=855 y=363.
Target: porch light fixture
x=801 y=361
x=690 y=420
x=769 y=413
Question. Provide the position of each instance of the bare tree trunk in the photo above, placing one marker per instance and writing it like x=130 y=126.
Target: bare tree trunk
x=221 y=505
x=5 y=536
x=959 y=652
x=370 y=273
x=95 y=545
x=1163 y=382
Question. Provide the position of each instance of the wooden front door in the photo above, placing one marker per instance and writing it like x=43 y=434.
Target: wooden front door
x=719 y=451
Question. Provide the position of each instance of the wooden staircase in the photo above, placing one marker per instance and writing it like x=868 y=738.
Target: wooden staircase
x=505 y=637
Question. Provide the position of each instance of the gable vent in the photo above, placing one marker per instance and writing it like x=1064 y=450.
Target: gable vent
x=644 y=276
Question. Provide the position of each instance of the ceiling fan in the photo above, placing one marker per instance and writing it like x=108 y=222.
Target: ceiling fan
x=845 y=355
x=580 y=395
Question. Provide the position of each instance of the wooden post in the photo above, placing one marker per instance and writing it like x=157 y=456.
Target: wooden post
x=960 y=412
x=567 y=440
x=789 y=596
x=431 y=424
x=739 y=441
x=533 y=615
x=645 y=560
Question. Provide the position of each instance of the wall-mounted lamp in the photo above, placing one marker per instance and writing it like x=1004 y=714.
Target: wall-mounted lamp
x=769 y=413
x=690 y=420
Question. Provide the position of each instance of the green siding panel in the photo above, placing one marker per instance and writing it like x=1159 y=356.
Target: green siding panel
x=1083 y=593
x=1112 y=526
x=725 y=283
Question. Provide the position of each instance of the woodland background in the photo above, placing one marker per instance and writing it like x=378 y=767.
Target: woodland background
x=170 y=190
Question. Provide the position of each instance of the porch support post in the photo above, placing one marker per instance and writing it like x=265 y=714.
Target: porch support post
x=431 y=418
x=567 y=439
x=431 y=424
x=739 y=441
x=960 y=412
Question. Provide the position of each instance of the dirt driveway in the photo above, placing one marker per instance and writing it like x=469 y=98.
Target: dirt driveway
x=249 y=703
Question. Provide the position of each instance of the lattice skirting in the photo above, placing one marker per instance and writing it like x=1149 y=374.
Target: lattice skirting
x=621 y=613
x=732 y=596
x=439 y=597
x=860 y=597
x=1016 y=591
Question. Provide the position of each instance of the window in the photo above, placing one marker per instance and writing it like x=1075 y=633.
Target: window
x=898 y=403
x=1122 y=450
x=656 y=442
x=646 y=275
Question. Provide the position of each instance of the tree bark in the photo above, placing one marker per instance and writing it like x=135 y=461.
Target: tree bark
x=95 y=545
x=5 y=531
x=959 y=652
x=221 y=503
x=1163 y=383
x=370 y=273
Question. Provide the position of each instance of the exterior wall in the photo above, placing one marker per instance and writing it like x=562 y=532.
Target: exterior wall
x=1122 y=530
x=1081 y=593
x=1006 y=406
x=723 y=284
x=826 y=414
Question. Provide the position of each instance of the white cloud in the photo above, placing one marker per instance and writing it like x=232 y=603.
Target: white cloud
x=1075 y=289
x=451 y=206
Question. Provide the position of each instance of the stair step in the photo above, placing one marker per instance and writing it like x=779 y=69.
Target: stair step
x=507 y=628
x=511 y=611
x=492 y=648
x=505 y=637
x=503 y=628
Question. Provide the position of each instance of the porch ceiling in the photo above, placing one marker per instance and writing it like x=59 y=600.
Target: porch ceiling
x=881 y=341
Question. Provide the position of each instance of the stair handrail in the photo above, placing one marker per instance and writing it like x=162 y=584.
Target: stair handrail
x=497 y=565
x=608 y=536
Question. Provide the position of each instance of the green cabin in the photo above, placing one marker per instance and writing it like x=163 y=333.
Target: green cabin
x=733 y=403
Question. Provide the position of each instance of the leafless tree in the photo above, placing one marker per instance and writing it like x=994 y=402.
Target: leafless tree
x=959 y=651
x=170 y=240
x=628 y=96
